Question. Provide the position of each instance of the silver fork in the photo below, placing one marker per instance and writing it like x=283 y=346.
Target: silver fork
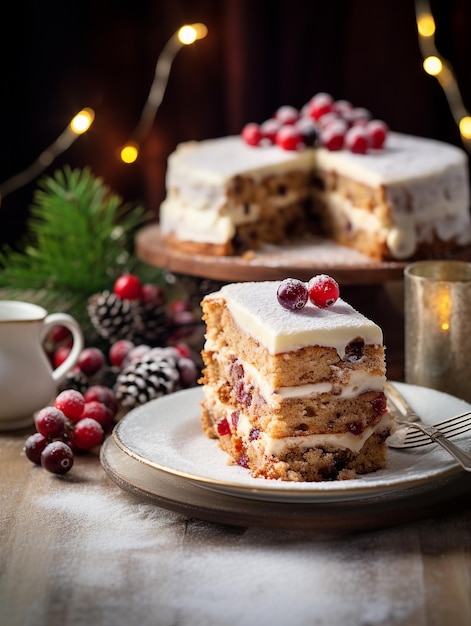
x=422 y=434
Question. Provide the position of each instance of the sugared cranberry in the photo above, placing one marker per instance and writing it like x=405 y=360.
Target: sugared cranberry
x=102 y=394
x=152 y=294
x=342 y=107
x=332 y=136
x=320 y=104
x=287 y=114
x=377 y=132
x=269 y=128
x=323 y=291
x=34 y=446
x=87 y=434
x=292 y=294
x=289 y=138
x=118 y=351
x=57 y=457
x=128 y=287
x=223 y=427
x=99 y=412
x=357 y=115
x=309 y=131
x=357 y=140
x=91 y=360
x=61 y=354
x=251 y=134
x=50 y=422
x=71 y=403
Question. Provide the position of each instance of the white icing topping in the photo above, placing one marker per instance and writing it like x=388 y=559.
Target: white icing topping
x=255 y=308
x=425 y=182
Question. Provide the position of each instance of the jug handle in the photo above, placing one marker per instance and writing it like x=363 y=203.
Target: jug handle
x=64 y=319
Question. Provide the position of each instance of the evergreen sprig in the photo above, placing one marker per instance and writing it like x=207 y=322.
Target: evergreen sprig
x=79 y=239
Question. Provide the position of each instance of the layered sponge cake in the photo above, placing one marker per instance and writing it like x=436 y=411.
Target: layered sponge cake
x=295 y=395
x=404 y=197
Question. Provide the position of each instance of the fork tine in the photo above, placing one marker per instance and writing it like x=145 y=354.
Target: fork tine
x=454 y=426
x=416 y=439
x=454 y=419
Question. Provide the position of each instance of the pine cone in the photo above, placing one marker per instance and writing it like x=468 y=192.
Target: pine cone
x=114 y=318
x=150 y=377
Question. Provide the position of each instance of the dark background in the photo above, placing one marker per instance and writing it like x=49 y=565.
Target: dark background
x=58 y=57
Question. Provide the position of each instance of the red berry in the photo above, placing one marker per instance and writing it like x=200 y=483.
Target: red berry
x=57 y=457
x=320 y=104
x=183 y=350
x=152 y=294
x=286 y=114
x=292 y=294
x=289 y=138
x=223 y=427
x=87 y=434
x=323 y=291
x=357 y=115
x=71 y=403
x=269 y=128
x=377 y=132
x=118 y=351
x=61 y=354
x=357 y=140
x=180 y=305
x=251 y=134
x=59 y=334
x=309 y=130
x=99 y=412
x=34 y=446
x=50 y=422
x=342 y=107
x=103 y=394
x=333 y=136
x=128 y=287
x=91 y=360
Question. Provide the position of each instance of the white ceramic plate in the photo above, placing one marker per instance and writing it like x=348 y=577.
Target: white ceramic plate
x=166 y=434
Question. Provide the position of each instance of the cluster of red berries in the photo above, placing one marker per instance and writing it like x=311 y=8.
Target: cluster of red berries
x=323 y=121
x=75 y=422
x=322 y=290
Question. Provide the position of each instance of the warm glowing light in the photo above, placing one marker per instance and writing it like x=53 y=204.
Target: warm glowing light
x=189 y=33
x=444 y=307
x=129 y=153
x=465 y=127
x=433 y=65
x=82 y=121
x=426 y=25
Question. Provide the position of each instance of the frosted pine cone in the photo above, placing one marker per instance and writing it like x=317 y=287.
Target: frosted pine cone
x=112 y=317
x=150 y=377
x=116 y=318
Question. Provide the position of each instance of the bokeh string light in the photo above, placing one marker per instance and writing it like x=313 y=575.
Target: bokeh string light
x=79 y=125
x=435 y=65
x=185 y=36
x=81 y=122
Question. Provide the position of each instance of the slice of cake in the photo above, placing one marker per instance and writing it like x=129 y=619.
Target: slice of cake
x=406 y=197
x=295 y=395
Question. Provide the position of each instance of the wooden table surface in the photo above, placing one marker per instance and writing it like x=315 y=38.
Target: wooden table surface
x=78 y=550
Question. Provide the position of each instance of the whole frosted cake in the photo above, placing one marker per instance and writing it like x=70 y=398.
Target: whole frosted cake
x=323 y=170
x=295 y=395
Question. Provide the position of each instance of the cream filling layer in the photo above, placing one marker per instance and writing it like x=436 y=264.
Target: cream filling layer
x=359 y=381
x=278 y=447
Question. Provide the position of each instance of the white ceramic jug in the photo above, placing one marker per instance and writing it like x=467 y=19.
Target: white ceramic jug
x=27 y=380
